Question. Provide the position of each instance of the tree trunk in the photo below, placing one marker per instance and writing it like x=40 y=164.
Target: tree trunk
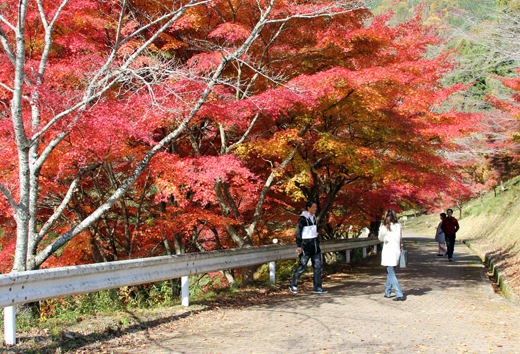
x=230 y=278
x=247 y=275
x=330 y=258
x=374 y=228
x=174 y=283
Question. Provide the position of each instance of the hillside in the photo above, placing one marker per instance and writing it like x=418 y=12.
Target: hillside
x=491 y=227
x=437 y=12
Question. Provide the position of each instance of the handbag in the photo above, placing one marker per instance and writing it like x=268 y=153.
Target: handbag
x=403 y=260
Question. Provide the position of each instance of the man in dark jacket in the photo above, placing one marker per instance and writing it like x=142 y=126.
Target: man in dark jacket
x=450 y=226
x=308 y=248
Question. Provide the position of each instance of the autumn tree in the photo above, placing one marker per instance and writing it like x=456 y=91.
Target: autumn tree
x=349 y=129
x=81 y=80
x=380 y=128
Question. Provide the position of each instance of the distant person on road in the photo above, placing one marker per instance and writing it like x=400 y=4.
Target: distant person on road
x=308 y=248
x=439 y=237
x=391 y=233
x=450 y=226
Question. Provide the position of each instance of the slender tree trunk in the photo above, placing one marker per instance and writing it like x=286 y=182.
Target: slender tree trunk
x=374 y=227
x=247 y=274
x=174 y=283
x=22 y=215
x=229 y=276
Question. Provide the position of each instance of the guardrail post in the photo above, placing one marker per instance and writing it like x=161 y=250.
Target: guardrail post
x=364 y=252
x=272 y=272
x=185 y=291
x=375 y=249
x=10 y=325
x=347 y=256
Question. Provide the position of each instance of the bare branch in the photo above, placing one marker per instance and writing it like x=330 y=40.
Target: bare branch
x=59 y=211
x=70 y=110
x=8 y=24
x=48 y=149
x=9 y=197
x=106 y=83
x=192 y=3
x=119 y=26
x=228 y=149
x=48 y=35
x=7 y=87
x=5 y=44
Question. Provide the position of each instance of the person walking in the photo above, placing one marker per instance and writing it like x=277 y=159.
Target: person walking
x=308 y=248
x=440 y=238
x=390 y=233
x=450 y=226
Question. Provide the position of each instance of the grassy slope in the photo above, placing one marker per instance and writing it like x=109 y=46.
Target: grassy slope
x=491 y=227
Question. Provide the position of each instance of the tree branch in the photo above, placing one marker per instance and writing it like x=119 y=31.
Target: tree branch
x=7 y=49
x=9 y=197
x=226 y=211
x=7 y=87
x=228 y=149
x=265 y=190
x=59 y=211
x=7 y=23
x=48 y=35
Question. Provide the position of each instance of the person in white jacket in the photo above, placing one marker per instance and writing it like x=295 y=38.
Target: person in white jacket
x=308 y=245
x=441 y=238
x=390 y=233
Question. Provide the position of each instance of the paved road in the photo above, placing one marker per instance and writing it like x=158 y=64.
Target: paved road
x=450 y=308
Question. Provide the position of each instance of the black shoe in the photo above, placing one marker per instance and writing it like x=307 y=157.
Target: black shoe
x=388 y=297
x=399 y=299
x=320 y=291
x=440 y=255
x=449 y=259
x=293 y=289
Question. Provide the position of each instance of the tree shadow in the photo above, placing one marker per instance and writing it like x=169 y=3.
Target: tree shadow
x=67 y=341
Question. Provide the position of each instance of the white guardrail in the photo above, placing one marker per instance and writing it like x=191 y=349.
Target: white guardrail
x=22 y=287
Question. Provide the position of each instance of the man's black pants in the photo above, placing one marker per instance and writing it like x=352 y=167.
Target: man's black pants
x=316 y=264
x=450 y=243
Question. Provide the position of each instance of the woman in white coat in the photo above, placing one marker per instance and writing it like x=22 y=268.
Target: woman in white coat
x=390 y=233
x=441 y=238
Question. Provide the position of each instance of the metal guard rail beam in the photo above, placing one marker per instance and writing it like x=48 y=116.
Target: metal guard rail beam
x=36 y=285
